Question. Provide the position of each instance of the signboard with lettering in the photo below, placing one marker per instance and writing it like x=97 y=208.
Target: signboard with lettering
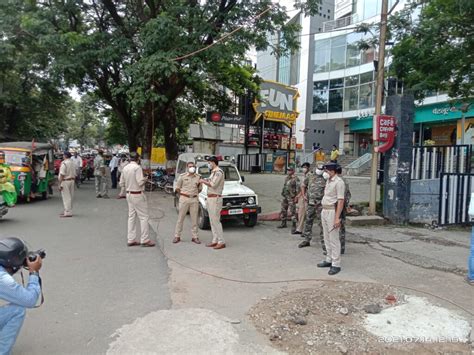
x=384 y=131
x=218 y=117
x=277 y=103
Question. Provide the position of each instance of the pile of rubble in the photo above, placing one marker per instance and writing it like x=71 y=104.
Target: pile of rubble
x=329 y=318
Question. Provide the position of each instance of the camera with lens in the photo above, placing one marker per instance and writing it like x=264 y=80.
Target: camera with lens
x=33 y=255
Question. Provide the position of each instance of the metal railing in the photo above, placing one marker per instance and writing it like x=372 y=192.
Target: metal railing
x=360 y=164
x=454 y=198
x=430 y=161
x=338 y=23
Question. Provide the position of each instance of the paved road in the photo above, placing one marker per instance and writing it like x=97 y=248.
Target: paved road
x=93 y=283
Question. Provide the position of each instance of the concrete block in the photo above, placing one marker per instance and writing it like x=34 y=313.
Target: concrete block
x=365 y=220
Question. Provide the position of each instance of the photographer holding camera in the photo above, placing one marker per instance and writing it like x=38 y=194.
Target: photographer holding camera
x=15 y=298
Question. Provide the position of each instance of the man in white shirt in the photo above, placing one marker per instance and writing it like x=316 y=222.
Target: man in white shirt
x=113 y=165
x=134 y=182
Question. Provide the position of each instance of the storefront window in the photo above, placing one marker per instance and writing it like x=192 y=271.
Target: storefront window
x=352 y=80
x=320 y=97
x=336 y=83
x=368 y=55
x=351 y=98
x=322 y=56
x=366 y=77
x=353 y=51
x=356 y=92
x=366 y=98
x=335 y=100
x=338 y=53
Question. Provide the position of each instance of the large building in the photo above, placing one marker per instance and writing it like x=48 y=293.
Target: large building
x=336 y=81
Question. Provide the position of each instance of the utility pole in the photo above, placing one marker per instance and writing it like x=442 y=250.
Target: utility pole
x=378 y=104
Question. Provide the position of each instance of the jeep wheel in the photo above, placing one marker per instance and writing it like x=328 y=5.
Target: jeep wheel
x=203 y=221
x=250 y=220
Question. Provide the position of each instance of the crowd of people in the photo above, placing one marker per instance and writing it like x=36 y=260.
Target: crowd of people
x=322 y=195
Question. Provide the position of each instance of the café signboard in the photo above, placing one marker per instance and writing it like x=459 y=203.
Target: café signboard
x=384 y=131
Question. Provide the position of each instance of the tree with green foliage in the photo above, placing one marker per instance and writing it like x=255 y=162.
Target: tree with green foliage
x=434 y=47
x=146 y=57
x=32 y=102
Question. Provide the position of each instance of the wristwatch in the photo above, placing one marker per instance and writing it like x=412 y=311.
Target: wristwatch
x=34 y=273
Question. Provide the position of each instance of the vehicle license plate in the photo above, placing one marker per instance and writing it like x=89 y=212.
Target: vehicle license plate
x=236 y=211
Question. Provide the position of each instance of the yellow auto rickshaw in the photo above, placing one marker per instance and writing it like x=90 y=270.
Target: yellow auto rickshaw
x=33 y=167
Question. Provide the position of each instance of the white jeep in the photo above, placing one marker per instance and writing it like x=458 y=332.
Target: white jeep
x=239 y=201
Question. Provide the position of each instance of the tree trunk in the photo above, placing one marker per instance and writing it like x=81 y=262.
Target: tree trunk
x=168 y=120
x=132 y=140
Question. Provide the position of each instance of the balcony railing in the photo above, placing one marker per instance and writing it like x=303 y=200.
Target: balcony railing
x=339 y=23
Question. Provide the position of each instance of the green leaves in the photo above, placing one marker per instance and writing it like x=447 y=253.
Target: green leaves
x=435 y=51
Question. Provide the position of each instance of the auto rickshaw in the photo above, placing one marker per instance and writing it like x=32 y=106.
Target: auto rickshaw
x=32 y=165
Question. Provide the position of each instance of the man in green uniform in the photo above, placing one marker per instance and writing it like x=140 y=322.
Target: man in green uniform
x=291 y=189
x=7 y=189
x=314 y=193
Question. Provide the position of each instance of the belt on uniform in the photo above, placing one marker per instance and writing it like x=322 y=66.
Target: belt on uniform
x=134 y=192
x=213 y=195
x=186 y=195
x=69 y=179
x=329 y=207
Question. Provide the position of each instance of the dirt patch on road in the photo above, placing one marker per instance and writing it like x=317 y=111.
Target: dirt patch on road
x=329 y=319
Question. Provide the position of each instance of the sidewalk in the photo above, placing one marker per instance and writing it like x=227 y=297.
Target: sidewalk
x=257 y=261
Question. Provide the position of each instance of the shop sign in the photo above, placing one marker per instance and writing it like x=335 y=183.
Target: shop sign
x=444 y=110
x=277 y=103
x=384 y=131
x=365 y=114
x=218 y=117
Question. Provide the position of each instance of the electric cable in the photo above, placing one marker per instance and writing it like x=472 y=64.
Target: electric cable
x=221 y=38
x=252 y=282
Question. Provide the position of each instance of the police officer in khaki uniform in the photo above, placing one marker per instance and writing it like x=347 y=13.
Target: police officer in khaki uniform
x=188 y=188
x=333 y=204
x=215 y=185
x=134 y=182
x=66 y=179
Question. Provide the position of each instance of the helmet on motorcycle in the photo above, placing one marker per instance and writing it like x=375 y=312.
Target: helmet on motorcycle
x=13 y=253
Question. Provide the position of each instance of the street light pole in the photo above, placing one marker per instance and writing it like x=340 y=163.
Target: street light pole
x=378 y=104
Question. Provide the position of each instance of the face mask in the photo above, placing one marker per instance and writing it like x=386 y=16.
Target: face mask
x=319 y=172
x=326 y=175
x=305 y=170
x=192 y=169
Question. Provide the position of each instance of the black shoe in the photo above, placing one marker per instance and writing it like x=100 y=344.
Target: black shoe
x=283 y=225
x=334 y=270
x=99 y=196
x=304 y=244
x=325 y=252
x=325 y=264
x=296 y=232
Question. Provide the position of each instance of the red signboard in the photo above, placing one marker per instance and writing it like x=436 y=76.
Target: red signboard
x=384 y=131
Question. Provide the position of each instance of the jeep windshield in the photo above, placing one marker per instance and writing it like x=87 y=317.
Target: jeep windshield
x=230 y=172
